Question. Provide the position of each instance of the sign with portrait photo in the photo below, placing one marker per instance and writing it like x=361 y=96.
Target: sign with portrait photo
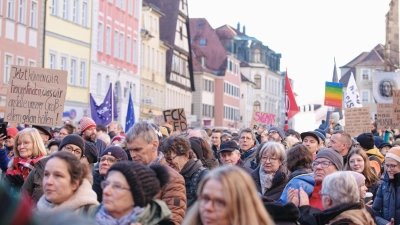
x=383 y=85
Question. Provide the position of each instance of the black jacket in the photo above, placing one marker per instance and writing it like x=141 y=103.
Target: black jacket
x=97 y=179
x=193 y=171
x=282 y=214
x=278 y=183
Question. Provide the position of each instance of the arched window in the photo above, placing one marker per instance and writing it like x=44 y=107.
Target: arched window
x=256 y=106
x=257 y=81
x=257 y=56
x=98 y=87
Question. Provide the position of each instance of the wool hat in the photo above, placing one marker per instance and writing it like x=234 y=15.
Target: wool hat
x=72 y=139
x=321 y=134
x=115 y=151
x=195 y=145
x=333 y=156
x=86 y=123
x=279 y=130
x=378 y=141
x=145 y=182
x=366 y=140
x=90 y=152
x=394 y=153
x=228 y=146
x=385 y=144
x=310 y=133
x=12 y=132
x=117 y=138
x=44 y=129
x=396 y=142
x=360 y=178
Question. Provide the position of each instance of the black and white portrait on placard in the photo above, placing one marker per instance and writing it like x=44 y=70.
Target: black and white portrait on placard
x=383 y=85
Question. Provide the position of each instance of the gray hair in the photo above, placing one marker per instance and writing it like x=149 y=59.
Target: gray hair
x=275 y=148
x=119 y=126
x=247 y=130
x=341 y=187
x=144 y=130
x=106 y=136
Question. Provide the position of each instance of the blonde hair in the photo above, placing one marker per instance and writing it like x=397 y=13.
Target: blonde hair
x=242 y=202
x=38 y=148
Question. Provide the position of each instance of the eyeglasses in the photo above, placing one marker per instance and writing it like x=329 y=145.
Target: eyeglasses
x=25 y=143
x=387 y=166
x=272 y=132
x=114 y=186
x=108 y=159
x=217 y=204
x=265 y=159
x=324 y=164
x=171 y=159
x=321 y=194
x=77 y=151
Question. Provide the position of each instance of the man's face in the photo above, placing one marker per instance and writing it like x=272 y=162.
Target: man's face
x=90 y=134
x=274 y=136
x=141 y=151
x=9 y=143
x=246 y=141
x=44 y=136
x=373 y=127
x=386 y=89
x=321 y=171
x=216 y=139
x=336 y=143
x=311 y=143
x=230 y=158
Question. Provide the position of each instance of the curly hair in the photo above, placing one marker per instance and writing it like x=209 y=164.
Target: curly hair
x=298 y=157
x=177 y=144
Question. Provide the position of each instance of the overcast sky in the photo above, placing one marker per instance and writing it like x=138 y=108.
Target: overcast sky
x=308 y=33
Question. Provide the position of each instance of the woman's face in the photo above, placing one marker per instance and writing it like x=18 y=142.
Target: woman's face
x=384 y=150
x=177 y=162
x=392 y=167
x=25 y=146
x=63 y=133
x=363 y=190
x=270 y=163
x=117 y=197
x=212 y=205
x=57 y=184
x=53 y=149
x=264 y=137
x=356 y=163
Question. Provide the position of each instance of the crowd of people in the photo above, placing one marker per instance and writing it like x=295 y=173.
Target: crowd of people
x=93 y=174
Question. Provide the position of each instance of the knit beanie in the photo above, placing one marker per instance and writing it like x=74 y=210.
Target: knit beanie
x=115 y=151
x=378 y=141
x=366 y=140
x=280 y=131
x=360 y=178
x=90 y=152
x=394 y=153
x=86 y=123
x=195 y=145
x=333 y=156
x=12 y=132
x=145 y=181
x=72 y=139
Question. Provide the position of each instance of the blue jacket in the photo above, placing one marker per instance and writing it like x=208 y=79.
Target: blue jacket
x=385 y=205
x=301 y=178
x=4 y=160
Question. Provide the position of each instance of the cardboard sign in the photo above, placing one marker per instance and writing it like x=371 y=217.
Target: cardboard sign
x=262 y=118
x=384 y=116
x=177 y=118
x=357 y=121
x=396 y=107
x=36 y=96
x=159 y=120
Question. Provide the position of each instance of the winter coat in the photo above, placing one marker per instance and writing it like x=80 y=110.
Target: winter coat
x=350 y=213
x=83 y=199
x=282 y=214
x=249 y=158
x=193 y=171
x=299 y=178
x=278 y=183
x=97 y=179
x=33 y=183
x=210 y=163
x=385 y=204
x=240 y=164
x=4 y=160
x=174 y=194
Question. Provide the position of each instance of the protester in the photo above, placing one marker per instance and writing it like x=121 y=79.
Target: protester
x=322 y=138
x=333 y=123
x=117 y=140
x=261 y=129
x=264 y=136
x=359 y=162
x=177 y=154
x=117 y=128
x=276 y=134
x=385 y=205
x=222 y=200
x=225 y=137
x=53 y=146
x=367 y=143
x=66 y=130
x=129 y=195
x=291 y=141
x=101 y=129
x=142 y=142
x=109 y=157
x=105 y=138
x=216 y=140
x=230 y=155
x=292 y=133
x=373 y=129
x=298 y=161
x=247 y=148
x=270 y=177
x=384 y=148
x=88 y=133
x=341 y=142
x=202 y=151
x=7 y=148
x=9 y=142
x=311 y=140
x=45 y=133
x=33 y=184
x=28 y=150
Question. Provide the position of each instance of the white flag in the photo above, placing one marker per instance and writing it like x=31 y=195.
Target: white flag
x=352 y=99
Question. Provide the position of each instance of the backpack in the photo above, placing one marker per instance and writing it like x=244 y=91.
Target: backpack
x=375 y=164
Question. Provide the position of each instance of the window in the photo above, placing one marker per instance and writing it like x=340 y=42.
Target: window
x=73 y=72
x=256 y=106
x=1 y=7
x=108 y=40
x=75 y=11
x=7 y=68
x=143 y=56
x=135 y=52
x=157 y=64
x=20 y=61
x=365 y=75
x=98 y=87
x=257 y=56
x=21 y=11
x=100 y=37
x=152 y=58
x=107 y=81
x=116 y=44
x=84 y=14
x=365 y=96
x=117 y=3
x=203 y=42
x=33 y=15
x=82 y=75
x=257 y=81
x=53 y=61
x=148 y=56
x=123 y=4
x=65 y=9
x=63 y=63
x=54 y=7
x=130 y=4
x=10 y=9
x=128 y=49
x=121 y=46
x=137 y=7
x=31 y=63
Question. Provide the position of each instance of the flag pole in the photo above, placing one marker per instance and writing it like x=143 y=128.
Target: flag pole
x=286 y=126
x=112 y=104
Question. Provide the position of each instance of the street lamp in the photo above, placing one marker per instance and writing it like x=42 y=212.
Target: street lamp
x=150 y=114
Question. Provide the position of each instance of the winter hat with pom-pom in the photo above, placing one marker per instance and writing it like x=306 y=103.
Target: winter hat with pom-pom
x=145 y=182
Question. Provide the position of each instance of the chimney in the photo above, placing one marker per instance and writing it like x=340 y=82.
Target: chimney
x=244 y=29
x=238 y=26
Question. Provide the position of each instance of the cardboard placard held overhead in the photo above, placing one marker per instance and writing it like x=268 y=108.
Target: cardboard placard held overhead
x=384 y=116
x=358 y=121
x=36 y=96
x=396 y=107
x=177 y=118
x=159 y=120
x=262 y=118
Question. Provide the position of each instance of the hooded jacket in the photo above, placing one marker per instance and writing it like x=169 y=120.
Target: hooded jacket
x=299 y=178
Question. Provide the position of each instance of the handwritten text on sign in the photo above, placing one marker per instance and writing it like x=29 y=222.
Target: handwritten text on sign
x=384 y=116
x=36 y=96
x=357 y=121
x=177 y=118
x=396 y=107
x=261 y=118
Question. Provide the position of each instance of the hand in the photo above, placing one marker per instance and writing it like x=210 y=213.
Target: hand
x=11 y=154
x=293 y=196
x=2 y=140
x=391 y=222
x=16 y=180
x=304 y=200
x=369 y=204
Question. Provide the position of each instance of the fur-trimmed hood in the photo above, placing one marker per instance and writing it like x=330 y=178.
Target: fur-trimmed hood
x=84 y=195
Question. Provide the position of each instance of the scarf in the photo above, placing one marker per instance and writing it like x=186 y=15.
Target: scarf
x=265 y=180
x=158 y=159
x=103 y=218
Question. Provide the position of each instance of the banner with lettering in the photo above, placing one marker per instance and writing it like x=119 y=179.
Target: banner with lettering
x=262 y=118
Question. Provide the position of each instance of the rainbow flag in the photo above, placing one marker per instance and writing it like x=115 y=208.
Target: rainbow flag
x=333 y=94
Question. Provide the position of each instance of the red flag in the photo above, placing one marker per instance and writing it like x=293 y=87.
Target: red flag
x=290 y=102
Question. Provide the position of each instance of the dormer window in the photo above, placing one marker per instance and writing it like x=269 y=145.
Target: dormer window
x=366 y=75
x=257 y=55
x=203 y=61
x=203 y=42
